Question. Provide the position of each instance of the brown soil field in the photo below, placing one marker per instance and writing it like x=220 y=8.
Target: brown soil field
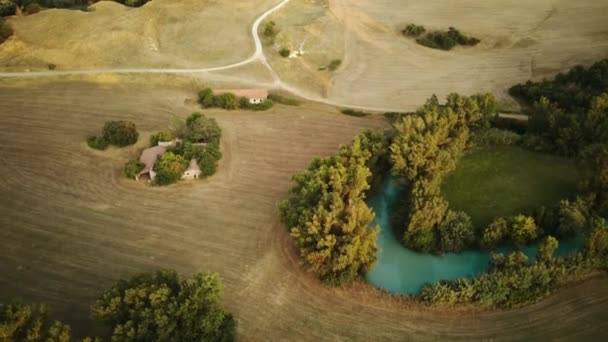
x=161 y=34
x=520 y=40
x=70 y=224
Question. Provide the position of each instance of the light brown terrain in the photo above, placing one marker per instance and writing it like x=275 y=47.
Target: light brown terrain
x=70 y=224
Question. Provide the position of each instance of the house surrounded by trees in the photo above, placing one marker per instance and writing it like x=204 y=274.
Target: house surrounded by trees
x=255 y=96
x=150 y=155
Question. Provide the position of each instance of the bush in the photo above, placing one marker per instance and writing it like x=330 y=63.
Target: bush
x=98 y=143
x=19 y=322
x=334 y=64
x=199 y=129
x=283 y=100
x=353 y=112
x=52 y=66
x=5 y=31
x=446 y=40
x=412 y=30
x=120 y=133
x=270 y=29
x=7 y=8
x=132 y=168
x=160 y=136
x=495 y=233
x=33 y=8
x=456 y=232
x=160 y=307
x=284 y=52
x=226 y=101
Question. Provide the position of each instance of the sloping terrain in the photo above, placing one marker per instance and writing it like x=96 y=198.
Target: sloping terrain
x=70 y=224
x=161 y=34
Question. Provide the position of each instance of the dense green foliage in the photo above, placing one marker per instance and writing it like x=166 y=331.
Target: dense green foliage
x=20 y=322
x=284 y=52
x=7 y=8
x=327 y=214
x=413 y=30
x=354 y=112
x=169 y=168
x=444 y=40
x=198 y=129
x=207 y=155
x=495 y=137
x=270 y=29
x=512 y=281
x=425 y=148
x=120 y=133
x=97 y=142
x=500 y=181
x=160 y=307
x=229 y=101
x=569 y=112
x=132 y=168
x=160 y=136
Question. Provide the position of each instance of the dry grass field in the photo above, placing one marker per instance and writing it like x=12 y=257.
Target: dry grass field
x=70 y=225
x=520 y=40
x=161 y=34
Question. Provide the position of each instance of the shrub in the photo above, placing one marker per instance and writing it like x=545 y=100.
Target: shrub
x=52 y=66
x=446 y=40
x=334 y=64
x=160 y=136
x=413 y=30
x=283 y=100
x=98 y=143
x=7 y=8
x=120 y=133
x=206 y=98
x=226 y=101
x=160 y=307
x=169 y=168
x=353 y=112
x=5 y=31
x=547 y=248
x=132 y=168
x=199 y=129
x=270 y=29
x=284 y=52
x=495 y=233
x=33 y=8
x=522 y=230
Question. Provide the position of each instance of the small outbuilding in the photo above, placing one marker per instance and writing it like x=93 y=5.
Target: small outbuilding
x=255 y=96
x=193 y=171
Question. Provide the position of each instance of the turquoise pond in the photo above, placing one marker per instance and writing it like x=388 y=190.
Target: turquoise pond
x=402 y=271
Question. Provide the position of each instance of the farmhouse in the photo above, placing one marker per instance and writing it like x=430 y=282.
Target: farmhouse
x=255 y=96
x=150 y=155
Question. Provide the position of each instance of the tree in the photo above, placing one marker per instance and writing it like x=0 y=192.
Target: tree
x=206 y=98
x=523 y=230
x=328 y=217
x=132 y=168
x=595 y=187
x=516 y=260
x=270 y=29
x=120 y=133
x=160 y=307
x=97 y=143
x=572 y=217
x=596 y=244
x=200 y=129
x=495 y=233
x=456 y=232
x=160 y=136
x=19 y=322
x=546 y=248
x=227 y=101
x=169 y=168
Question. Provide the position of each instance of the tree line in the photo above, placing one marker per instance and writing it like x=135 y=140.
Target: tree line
x=443 y=40
x=147 y=307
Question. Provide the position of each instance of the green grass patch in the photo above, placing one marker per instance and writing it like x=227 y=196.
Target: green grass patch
x=508 y=180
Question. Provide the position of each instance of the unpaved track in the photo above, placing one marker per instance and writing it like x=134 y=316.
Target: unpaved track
x=70 y=224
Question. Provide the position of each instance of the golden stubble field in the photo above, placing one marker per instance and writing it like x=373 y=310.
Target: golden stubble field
x=70 y=225
x=161 y=34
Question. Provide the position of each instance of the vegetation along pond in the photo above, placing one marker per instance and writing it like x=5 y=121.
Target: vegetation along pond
x=403 y=271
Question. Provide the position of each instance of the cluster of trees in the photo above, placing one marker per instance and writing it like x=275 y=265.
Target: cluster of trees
x=119 y=133
x=327 y=215
x=148 y=307
x=229 y=101
x=9 y=7
x=198 y=137
x=569 y=112
x=444 y=40
x=513 y=281
x=424 y=149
